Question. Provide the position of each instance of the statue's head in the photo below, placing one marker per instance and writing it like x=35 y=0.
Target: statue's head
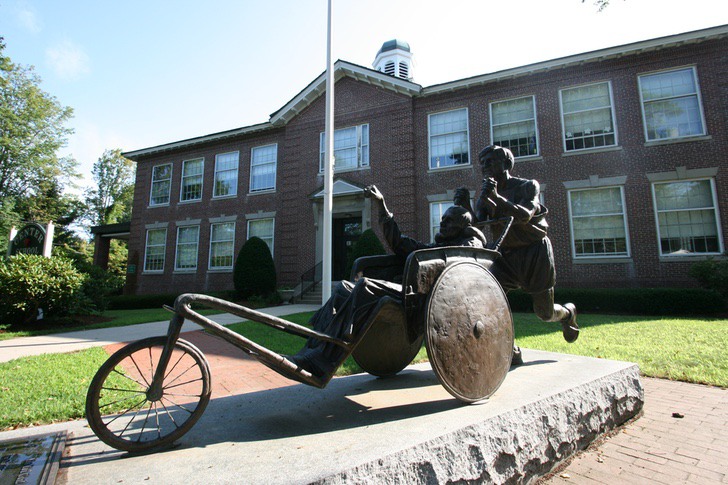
x=495 y=159
x=453 y=222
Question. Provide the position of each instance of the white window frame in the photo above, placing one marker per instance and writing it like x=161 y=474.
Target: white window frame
x=257 y=164
x=430 y=137
x=697 y=96
x=564 y=132
x=234 y=186
x=714 y=208
x=534 y=120
x=213 y=242
x=184 y=177
x=270 y=244
x=362 y=148
x=437 y=208
x=147 y=246
x=161 y=181
x=627 y=253
x=196 y=245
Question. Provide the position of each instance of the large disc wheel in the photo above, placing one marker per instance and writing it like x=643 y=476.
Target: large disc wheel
x=469 y=332
x=125 y=415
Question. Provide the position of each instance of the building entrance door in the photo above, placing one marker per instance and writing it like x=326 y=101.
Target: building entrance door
x=346 y=232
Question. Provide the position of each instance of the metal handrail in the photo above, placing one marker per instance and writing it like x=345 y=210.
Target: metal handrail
x=311 y=277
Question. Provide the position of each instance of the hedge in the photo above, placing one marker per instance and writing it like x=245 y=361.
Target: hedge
x=632 y=301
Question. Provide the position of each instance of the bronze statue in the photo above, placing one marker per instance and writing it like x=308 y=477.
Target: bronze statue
x=527 y=260
x=350 y=303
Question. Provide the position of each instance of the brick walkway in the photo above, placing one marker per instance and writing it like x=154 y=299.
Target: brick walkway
x=662 y=447
x=659 y=447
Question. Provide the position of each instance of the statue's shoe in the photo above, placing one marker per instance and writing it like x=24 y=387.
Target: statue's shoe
x=569 y=326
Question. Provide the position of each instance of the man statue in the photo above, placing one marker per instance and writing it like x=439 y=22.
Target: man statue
x=350 y=304
x=528 y=259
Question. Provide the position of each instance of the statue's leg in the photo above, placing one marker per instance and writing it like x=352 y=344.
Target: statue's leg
x=548 y=311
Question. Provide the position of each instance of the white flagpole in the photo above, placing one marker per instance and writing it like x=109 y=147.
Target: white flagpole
x=328 y=168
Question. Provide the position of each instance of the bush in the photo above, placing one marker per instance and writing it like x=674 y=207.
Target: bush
x=368 y=244
x=712 y=275
x=254 y=273
x=631 y=301
x=31 y=282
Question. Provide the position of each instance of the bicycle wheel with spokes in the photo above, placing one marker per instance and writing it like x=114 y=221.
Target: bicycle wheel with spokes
x=120 y=409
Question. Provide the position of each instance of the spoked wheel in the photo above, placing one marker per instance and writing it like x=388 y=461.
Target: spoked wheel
x=121 y=408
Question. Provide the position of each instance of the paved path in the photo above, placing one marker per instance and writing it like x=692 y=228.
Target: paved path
x=681 y=438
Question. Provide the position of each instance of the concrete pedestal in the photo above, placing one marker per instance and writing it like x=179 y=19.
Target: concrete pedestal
x=405 y=429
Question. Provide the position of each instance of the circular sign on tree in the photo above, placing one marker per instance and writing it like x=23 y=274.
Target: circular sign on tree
x=29 y=240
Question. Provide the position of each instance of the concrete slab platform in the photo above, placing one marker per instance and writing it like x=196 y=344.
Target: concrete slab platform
x=405 y=429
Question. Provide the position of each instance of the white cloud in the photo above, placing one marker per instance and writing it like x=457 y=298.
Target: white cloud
x=27 y=19
x=68 y=60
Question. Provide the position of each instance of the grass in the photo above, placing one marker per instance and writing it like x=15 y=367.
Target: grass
x=48 y=388
x=683 y=349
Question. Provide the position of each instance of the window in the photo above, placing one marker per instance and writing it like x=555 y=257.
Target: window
x=588 y=117
x=437 y=209
x=671 y=104
x=513 y=125
x=263 y=162
x=226 y=175
x=598 y=224
x=191 y=180
x=449 y=138
x=161 y=184
x=155 y=249
x=262 y=228
x=351 y=148
x=222 y=244
x=186 y=255
x=687 y=219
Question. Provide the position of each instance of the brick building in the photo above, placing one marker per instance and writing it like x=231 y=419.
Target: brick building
x=629 y=144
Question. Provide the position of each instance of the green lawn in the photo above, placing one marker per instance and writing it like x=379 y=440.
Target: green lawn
x=47 y=388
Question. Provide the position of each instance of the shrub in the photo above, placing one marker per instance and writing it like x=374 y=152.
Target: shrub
x=368 y=244
x=712 y=274
x=32 y=282
x=254 y=273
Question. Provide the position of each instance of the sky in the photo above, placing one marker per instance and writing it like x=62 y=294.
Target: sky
x=143 y=73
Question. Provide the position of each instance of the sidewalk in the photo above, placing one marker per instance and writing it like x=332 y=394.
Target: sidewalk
x=83 y=339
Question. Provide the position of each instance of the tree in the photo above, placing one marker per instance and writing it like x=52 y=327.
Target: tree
x=111 y=200
x=32 y=130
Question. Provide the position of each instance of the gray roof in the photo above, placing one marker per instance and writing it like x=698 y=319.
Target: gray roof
x=393 y=44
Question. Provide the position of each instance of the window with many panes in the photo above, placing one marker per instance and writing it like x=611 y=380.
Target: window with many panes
x=161 y=184
x=513 y=125
x=437 y=209
x=351 y=148
x=687 y=218
x=226 y=175
x=263 y=161
x=186 y=253
x=449 y=138
x=191 y=180
x=588 y=117
x=222 y=245
x=264 y=229
x=598 y=222
x=154 y=249
x=671 y=104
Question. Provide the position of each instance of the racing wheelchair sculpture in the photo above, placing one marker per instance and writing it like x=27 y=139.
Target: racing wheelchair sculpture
x=151 y=392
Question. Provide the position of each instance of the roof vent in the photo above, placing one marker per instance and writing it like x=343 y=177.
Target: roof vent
x=395 y=59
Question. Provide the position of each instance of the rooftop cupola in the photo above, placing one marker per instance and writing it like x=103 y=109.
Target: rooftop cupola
x=395 y=59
